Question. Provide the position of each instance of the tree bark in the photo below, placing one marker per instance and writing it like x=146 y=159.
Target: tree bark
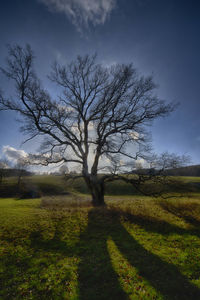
x=96 y=188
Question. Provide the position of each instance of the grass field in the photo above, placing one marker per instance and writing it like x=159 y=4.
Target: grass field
x=59 y=247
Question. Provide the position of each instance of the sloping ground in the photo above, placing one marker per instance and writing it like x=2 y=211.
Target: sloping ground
x=35 y=186
x=32 y=186
x=185 y=171
x=193 y=171
x=135 y=248
x=8 y=172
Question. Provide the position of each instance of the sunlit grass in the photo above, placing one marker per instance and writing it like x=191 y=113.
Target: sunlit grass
x=135 y=248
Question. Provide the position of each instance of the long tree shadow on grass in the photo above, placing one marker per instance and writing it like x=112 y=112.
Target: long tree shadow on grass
x=184 y=211
x=97 y=278
x=151 y=224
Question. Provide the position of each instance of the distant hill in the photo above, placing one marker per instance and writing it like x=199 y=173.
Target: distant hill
x=185 y=171
x=14 y=172
x=193 y=171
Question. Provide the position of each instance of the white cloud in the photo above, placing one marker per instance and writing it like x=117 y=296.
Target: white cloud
x=82 y=12
x=13 y=154
x=134 y=135
x=3 y=165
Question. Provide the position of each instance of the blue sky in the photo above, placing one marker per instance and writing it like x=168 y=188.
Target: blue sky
x=159 y=37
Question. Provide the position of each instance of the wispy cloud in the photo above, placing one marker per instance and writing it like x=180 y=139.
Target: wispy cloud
x=13 y=155
x=82 y=12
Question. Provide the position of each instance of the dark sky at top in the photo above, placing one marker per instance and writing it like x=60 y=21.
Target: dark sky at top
x=160 y=38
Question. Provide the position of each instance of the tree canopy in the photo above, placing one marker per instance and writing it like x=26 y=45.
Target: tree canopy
x=99 y=121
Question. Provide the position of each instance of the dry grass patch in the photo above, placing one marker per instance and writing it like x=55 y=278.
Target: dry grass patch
x=66 y=202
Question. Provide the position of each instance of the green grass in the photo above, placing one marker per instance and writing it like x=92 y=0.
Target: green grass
x=136 y=248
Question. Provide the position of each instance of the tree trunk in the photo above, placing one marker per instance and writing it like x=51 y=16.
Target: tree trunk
x=96 y=188
x=98 y=195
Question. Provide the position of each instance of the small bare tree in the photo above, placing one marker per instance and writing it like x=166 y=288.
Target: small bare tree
x=63 y=170
x=100 y=122
x=21 y=167
x=4 y=165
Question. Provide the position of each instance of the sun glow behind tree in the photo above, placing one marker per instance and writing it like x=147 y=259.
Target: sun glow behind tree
x=99 y=121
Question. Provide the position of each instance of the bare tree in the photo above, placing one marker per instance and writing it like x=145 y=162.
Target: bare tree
x=100 y=122
x=63 y=170
x=21 y=167
x=4 y=165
